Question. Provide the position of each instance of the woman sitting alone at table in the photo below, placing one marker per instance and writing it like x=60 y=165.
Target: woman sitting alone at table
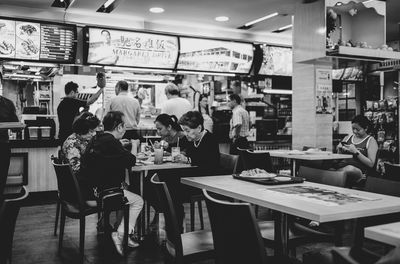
x=362 y=146
x=203 y=148
x=83 y=128
x=170 y=132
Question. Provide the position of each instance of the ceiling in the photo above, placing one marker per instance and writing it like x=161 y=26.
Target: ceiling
x=191 y=13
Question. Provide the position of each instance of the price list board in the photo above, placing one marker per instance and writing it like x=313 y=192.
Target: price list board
x=37 y=41
x=57 y=42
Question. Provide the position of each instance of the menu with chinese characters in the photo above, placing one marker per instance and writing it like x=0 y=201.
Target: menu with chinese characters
x=37 y=41
x=215 y=55
x=131 y=49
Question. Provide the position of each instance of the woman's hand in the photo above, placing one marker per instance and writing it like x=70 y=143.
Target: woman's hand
x=157 y=144
x=350 y=148
x=181 y=158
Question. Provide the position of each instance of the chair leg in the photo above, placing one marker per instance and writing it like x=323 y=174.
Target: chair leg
x=57 y=217
x=148 y=215
x=82 y=223
x=191 y=216
x=126 y=229
x=200 y=207
x=256 y=210
x=62 y=225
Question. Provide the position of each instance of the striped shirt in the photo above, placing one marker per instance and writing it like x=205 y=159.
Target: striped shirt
x=240 y=117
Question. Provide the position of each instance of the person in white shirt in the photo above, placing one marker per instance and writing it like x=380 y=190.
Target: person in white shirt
x=175 y=105
x=129 y=106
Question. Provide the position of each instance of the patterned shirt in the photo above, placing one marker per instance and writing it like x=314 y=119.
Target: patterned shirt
x=72 y=150
x=240 y=117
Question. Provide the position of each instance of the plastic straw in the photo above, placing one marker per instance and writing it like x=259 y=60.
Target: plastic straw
x=177 y=144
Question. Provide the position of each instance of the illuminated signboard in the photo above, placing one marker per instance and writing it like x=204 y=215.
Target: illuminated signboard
x=131 y=49
x=37 y=41
x=208 y=55
x=276 y=61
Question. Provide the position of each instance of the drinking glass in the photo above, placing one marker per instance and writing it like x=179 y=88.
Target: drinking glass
x=158 y=156
x=175 y=151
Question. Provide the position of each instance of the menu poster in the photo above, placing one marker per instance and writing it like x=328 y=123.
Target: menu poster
x=7 y=38
x=215 y=56
x=57 y=42
x=132 y=49
x=276 y=61
x=323 y=82
x=27 y=40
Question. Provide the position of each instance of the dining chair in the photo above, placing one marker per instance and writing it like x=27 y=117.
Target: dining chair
x=9 y=211
x=236 y=233
x=181 y=248
x=252 y=160
x=228 y=164
x=392 y=171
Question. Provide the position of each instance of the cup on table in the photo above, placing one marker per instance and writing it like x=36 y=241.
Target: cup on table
x=175 y=151
x=158 y=156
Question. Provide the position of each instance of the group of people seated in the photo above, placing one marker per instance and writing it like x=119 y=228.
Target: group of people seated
x=99 y=156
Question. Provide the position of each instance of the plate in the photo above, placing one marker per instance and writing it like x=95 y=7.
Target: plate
x=282 y=178
x=260 y=176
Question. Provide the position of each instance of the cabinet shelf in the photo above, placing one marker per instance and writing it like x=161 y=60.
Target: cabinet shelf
x=363 y=53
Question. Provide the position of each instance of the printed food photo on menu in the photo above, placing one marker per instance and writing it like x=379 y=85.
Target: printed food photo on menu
x=27 y=40
x=7 y=39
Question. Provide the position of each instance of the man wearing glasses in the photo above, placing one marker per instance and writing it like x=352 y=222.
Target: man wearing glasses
x=70 y=105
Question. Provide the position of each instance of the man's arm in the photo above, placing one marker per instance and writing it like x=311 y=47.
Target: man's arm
x=138 y=114
x=94 y=97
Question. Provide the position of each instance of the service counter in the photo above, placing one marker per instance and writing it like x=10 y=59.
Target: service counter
x=40 y=172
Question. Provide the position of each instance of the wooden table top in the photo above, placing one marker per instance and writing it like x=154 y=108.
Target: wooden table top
x=302 y=205
x=301 y=155
x=164 y=166
x=388 y=233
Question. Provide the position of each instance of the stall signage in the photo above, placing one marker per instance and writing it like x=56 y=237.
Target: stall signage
x=37 y=41
x=276 y=61
x=215 y=56
x=323 y=91
x=132 y=49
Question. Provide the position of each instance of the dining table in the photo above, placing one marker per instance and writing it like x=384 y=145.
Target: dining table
x=141 y=169
x=296 y=155
x=387 y=233
x=313 y=201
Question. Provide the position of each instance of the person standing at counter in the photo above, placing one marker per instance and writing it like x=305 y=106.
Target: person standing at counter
x=203 y=109
x=129 y=106
x=239 y=124
x=7 y=114
x=69 y=107
x=175 y=105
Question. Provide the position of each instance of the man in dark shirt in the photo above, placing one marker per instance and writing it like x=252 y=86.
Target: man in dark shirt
x=69 y=107
x=104 y=165
x=7 y=114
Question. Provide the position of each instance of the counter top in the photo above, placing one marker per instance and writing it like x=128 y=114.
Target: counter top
x=44 y=143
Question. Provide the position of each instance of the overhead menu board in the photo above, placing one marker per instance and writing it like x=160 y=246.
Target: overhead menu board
x=131 y=49
x=276 y=61
x=215 y=55
x=37 y=41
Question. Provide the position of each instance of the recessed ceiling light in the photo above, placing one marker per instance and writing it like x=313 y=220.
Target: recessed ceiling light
x=156 y=10
x=222 y=18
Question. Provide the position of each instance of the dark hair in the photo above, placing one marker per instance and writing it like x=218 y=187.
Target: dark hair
x=71 y=87
x=192 y=119
x=101 y=75
x=123 y=85
x=362 y=121
x=236 y=98
x=169 y=120
x=171 y=89
x=200 y=98
x=84 y=122
x=112 y=119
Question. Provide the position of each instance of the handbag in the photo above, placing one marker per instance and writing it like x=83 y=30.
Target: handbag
x=111 y=199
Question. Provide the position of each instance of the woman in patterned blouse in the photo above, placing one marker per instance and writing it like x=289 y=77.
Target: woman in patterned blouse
x=84 y=128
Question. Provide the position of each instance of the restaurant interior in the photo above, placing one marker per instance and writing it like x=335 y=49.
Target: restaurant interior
x=310 y=74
